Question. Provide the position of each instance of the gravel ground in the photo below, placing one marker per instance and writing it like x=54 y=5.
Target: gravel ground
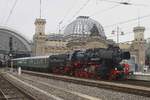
x=54 y=90
x=104 y=94
x=30 y=90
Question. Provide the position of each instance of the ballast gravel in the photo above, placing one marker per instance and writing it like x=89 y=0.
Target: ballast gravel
x=103 y=94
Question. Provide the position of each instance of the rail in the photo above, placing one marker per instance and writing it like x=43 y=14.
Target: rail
x=138 y=90
x=9 y=91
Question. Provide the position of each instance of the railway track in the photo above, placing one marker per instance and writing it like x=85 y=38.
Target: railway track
x=8 y=91
x=71 y=91
x=127 y=87
x=135 y=82
x=61 y=93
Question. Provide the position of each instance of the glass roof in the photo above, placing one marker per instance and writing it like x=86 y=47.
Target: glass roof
x=83 y=25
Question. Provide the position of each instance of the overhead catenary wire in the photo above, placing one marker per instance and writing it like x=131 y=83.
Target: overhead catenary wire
x=111 y=1
x=121 y=2
x=68 y=11
x=3 y=16
x=127 y=21
x=104 y=10
x=129 y=32
x=80 y=9
x=120 y=33
x=120 y=36
x=85 y=4
x=126 y=33
x=126 y=3
x=123 y=22
x=77 y=12
x=66 y=14
x=11 y=11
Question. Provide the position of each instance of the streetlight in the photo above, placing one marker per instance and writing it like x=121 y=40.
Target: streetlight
x=11 y=52
x=118 y=32
x=59 y=24
x=59 y=41
x=11 y=63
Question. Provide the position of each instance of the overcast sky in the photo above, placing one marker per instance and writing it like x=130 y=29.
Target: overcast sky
x=106 y=13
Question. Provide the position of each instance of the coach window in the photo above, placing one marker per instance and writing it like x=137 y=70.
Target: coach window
x=25 y=61
x=33 y=61
x=38 y=61
x=45 y=61
x=41 y=61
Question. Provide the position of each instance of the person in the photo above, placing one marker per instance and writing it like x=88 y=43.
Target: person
x=145 y=68
x=0 y=63
x=136 y=67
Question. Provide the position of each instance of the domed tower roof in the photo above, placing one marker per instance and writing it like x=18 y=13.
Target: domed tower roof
x=82 y=26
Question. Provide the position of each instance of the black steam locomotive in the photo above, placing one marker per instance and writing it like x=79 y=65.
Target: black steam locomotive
x=96 y=63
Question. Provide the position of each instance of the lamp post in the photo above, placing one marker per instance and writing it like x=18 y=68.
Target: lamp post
x=10 y=52
x=11 y=63
x=59 y=41
x=118 y=32
x=59 y=24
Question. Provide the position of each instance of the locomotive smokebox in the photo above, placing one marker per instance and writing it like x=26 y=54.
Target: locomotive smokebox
x=125 y=55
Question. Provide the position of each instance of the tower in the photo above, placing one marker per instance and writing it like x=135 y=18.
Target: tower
x=139 y=46
x=39 y=37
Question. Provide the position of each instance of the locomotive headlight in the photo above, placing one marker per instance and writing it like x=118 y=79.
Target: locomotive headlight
x=115 y=68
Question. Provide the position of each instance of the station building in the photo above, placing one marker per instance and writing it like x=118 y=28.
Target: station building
x=84 y=33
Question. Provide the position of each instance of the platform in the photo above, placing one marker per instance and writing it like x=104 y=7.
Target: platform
x=141 y=76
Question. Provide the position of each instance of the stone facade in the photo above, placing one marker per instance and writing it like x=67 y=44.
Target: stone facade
x=137 y=47
x=87 y=42
x=57 y=43
x=39 y=37
x=94 y=38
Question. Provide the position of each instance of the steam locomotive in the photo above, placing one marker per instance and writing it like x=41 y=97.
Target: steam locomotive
x=96 y=63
